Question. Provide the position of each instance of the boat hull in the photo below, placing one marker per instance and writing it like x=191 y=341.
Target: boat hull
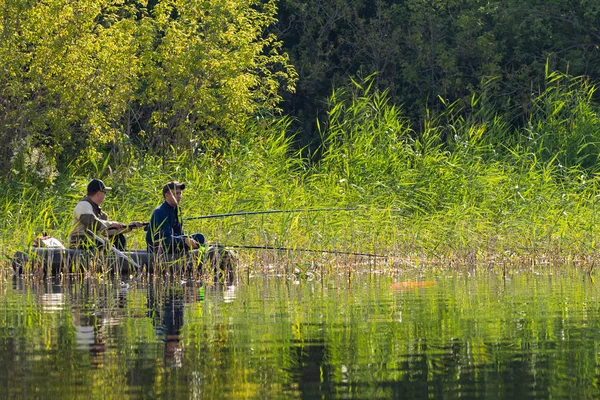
x=56 y=261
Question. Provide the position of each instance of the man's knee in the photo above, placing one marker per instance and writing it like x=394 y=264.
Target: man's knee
x=198 y=237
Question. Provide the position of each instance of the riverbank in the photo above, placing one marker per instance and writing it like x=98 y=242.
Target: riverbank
x=456 y=194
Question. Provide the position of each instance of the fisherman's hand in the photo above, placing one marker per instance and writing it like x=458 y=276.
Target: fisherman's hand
x=135 y=225
x=192 y=244
x=116 y=225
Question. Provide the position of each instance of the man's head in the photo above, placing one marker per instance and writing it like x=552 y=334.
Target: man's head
x=96 y=190
x=172 y=193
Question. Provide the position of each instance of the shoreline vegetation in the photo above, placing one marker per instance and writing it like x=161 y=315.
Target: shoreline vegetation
x=467 y=191
x=475 y=122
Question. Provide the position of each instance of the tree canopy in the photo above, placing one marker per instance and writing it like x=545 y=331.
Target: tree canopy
x=158 y=75
x=424 y=50
x=165 y=74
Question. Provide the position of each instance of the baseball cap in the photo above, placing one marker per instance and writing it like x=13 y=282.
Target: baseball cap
x=96 y=185
x=171 y=186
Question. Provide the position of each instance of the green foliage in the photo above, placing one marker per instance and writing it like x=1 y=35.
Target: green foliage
x=107 y=74
x=213 y=67
x=424 y=50
x=564 y=126
x=463 y=186
x=72 y=80
x=366 y=138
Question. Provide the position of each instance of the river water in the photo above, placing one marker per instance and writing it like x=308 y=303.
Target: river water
x=405 y=335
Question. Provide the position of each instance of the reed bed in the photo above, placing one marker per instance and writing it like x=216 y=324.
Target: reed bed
x=465 y=189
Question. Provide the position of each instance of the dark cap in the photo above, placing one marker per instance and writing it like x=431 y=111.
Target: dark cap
x=171 y=186
x=96 y=185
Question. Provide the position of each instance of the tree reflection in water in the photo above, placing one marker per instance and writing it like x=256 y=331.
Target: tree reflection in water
x=470 y=336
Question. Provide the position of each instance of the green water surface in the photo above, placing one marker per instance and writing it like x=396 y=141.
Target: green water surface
x=393 y=335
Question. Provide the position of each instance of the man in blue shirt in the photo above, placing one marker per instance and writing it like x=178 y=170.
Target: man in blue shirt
x=165 y=232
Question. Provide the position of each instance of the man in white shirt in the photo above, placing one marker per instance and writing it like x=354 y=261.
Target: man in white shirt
x=88 y=216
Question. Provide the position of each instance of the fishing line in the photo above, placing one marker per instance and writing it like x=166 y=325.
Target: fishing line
x=305 y=250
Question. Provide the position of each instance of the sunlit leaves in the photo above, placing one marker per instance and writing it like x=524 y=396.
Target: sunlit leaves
x=85 y=73
x=214 y=67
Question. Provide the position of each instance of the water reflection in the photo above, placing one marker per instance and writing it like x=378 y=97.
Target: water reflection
x=52 y=302
x=372 y=337
x=167 y=313
x=90 y=336
x=95 y=313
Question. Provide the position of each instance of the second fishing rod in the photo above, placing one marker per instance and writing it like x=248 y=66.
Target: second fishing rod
x=290 y=211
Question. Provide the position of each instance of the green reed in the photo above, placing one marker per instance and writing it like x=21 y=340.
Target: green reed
x=463 y=188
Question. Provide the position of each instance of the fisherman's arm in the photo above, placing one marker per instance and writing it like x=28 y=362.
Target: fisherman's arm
x=118 y=227
x=84 y=213
x=161 y=225
x=90 y=221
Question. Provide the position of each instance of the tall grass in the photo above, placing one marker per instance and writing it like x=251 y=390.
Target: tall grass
x=464 y=187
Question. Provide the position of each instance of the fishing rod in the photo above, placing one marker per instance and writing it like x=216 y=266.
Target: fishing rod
x=133 y=225
x=348 y=253
x=242 y=213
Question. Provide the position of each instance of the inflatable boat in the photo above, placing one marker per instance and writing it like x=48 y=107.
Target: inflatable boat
x=57 y=260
